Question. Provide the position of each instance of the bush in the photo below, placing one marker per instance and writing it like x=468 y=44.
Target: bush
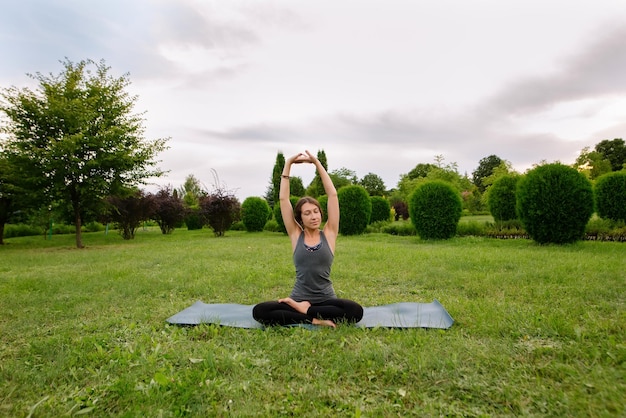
x=604 y=229
x=255 y=212
x=130 y=211
x=554 y=203
x=435 y=210
x=381 y=209
x=272 y=226
x=471 y=228
x=238 y=226
x=401 y=210
x=93 y=226
x=610 y=196
x=220 y=210
x=169 y=211
x=375 y=227
x=401 y=228
x=356 y=209
x=193 y=219
x=501 y=198
x=21 y=230
x=61 y=229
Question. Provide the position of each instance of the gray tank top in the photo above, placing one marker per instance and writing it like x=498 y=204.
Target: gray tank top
x=313 y=272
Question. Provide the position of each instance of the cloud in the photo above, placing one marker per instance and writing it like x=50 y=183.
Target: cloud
x=380 y=88
x=597 y=70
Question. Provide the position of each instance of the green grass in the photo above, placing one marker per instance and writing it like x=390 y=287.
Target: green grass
x=539 y=330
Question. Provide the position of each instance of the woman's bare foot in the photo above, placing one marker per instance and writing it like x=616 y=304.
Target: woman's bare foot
x=324 y=322
x=301 y=307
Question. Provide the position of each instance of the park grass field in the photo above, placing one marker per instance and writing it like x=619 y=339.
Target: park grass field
x=539 y=331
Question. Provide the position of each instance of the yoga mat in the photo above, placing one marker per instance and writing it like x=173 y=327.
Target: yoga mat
x=397 y=315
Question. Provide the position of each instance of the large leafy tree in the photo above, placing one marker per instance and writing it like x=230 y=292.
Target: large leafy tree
x=343 y=177
x=420 y=170
x=443 y=171
x=592 y=163
x=614 y=151
x=485 y=168
x=374 y=185
x=76 y=133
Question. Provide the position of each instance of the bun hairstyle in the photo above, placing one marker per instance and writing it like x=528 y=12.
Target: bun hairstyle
x=297 y=210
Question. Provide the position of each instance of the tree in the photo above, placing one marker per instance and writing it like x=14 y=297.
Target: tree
x=343 y=177
x=614 y=151
x=274 y=187
x=192 y=191
x=420 y=170
x=592 y=164
x=316 y=188
x=485 y=168
x=296 y=187
x=504 y=169
x=169 y=211
x=443 y=172
x=76 y=134
x=374 y=185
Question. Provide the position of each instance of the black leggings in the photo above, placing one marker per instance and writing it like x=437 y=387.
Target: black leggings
x=336 y=310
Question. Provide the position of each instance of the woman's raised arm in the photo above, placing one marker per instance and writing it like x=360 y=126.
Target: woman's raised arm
x=331 y=228
x=286 y=210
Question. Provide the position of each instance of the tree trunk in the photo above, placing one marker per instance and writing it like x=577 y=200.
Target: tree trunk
x=77 y=223
x=1 y=232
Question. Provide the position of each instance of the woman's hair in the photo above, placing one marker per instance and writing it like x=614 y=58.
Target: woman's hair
x=297 y=210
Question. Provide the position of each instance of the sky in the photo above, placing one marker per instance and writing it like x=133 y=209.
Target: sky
x=379 y=85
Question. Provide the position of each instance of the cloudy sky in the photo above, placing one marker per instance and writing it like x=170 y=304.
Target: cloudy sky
x=379 y=85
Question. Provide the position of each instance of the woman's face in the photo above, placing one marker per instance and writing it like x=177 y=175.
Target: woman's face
x=311 y=216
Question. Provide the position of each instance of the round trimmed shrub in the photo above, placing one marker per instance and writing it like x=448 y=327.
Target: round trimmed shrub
x=554 y=203
x=356 y=209
x=610 y=195
x=255 y=212
x=501 y=198
x=193 y=219
x=381 y=209
x=435 y=210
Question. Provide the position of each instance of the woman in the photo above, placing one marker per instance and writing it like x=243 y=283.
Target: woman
x=313 y=299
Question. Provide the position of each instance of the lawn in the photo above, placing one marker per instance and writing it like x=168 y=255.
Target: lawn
x=539 y=331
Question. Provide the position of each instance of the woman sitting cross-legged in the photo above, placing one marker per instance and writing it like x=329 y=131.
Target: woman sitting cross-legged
x=313 y=299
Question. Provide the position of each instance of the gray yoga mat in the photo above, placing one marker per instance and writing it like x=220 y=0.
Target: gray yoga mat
x=396 y=315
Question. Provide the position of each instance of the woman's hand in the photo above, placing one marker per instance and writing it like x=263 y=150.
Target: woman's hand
x=311 y=158
x=299 y=158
